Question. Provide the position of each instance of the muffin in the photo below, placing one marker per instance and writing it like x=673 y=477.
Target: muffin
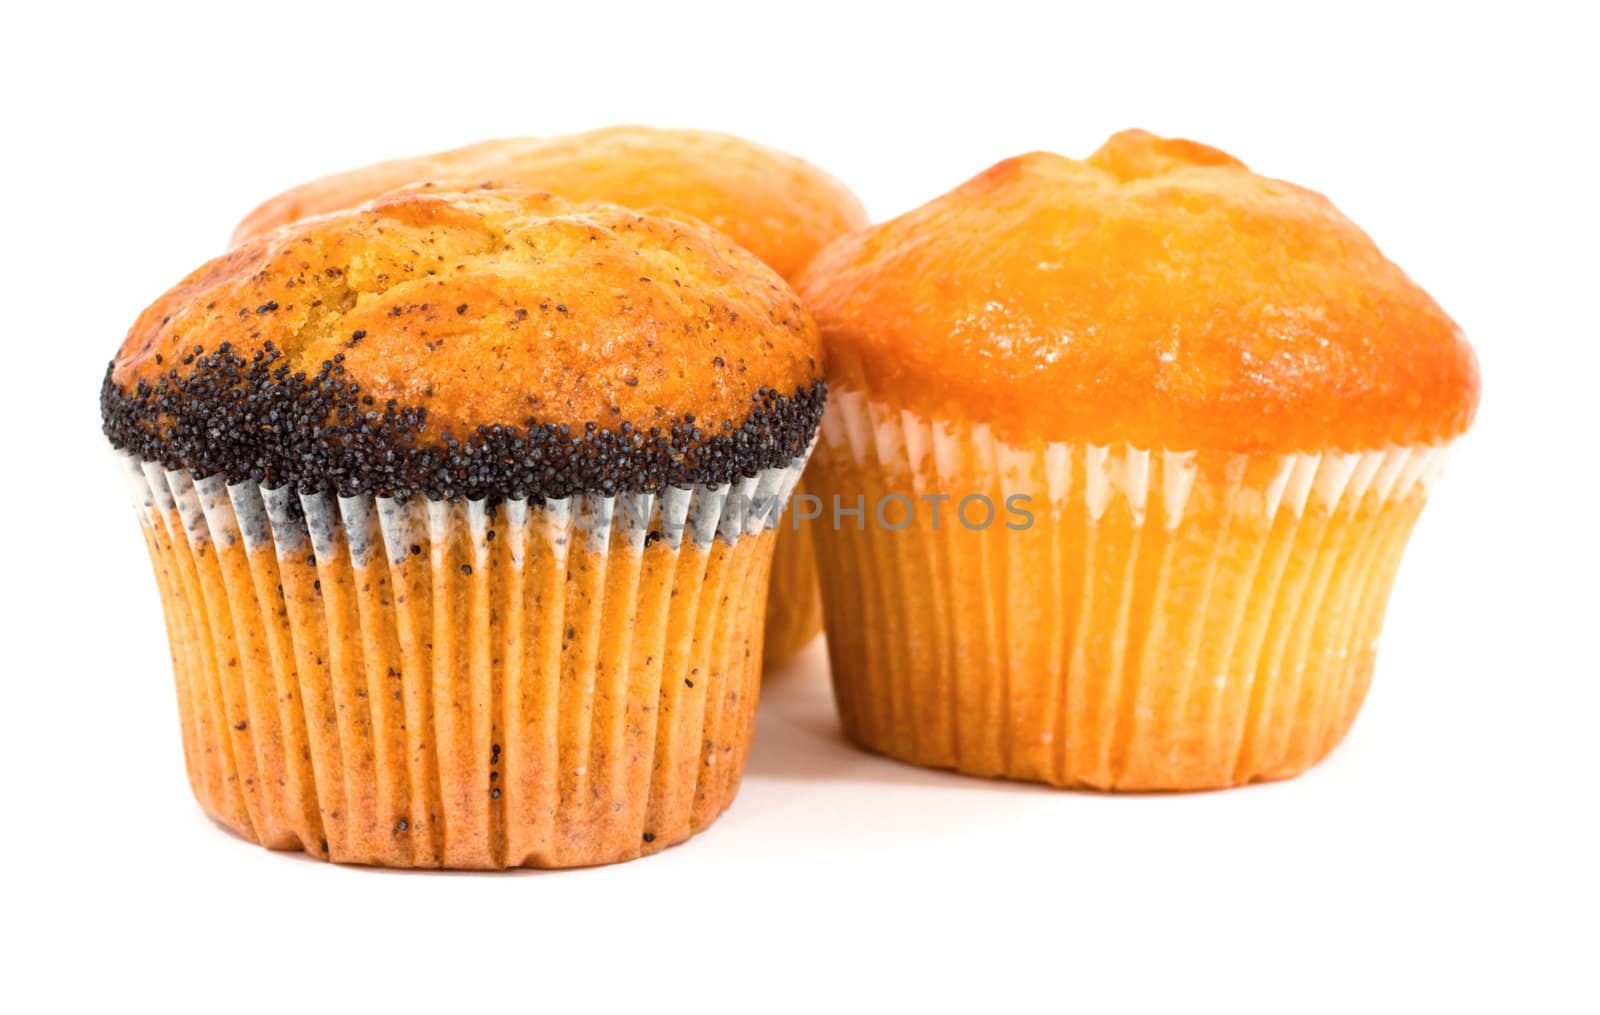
x=1179 y=419
x=779 y=207
x=461 y=507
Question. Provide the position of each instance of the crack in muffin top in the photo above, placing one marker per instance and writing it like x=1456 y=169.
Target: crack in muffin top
x=486 y=343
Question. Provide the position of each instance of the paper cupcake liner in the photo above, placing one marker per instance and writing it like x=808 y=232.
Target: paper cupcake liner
x=794 y=602
x=1169 y=620
x=446 y=683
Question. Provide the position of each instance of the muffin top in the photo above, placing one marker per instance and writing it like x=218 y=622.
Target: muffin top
x=777 y=206
x=494 y=343
x=1157 y=293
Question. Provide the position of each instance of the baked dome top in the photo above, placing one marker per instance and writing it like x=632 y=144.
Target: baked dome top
x=492 y=343
x=779 y=207
x=1157 y=293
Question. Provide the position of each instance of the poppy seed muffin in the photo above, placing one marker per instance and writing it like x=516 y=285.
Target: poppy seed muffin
x=461 y=506
x=1203 y=411
x=779 y=207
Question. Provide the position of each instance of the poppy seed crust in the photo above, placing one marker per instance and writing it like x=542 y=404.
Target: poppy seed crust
x=494 y=343
x=249 y=419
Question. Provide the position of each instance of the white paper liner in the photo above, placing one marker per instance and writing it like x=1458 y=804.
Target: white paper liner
x=872 y=432
x=1169 y=620
x=209 y=507
x=609 y=647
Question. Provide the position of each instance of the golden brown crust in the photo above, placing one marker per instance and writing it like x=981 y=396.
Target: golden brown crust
x=1156 y=293
x=496 y=306
x=779 y=207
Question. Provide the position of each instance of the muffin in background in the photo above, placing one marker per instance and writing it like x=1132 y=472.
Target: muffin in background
x=1222 y=409
x=461 y=507
x=794 y=602
x=779 y=207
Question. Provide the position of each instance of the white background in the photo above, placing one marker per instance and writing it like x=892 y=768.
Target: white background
x=1444 y=857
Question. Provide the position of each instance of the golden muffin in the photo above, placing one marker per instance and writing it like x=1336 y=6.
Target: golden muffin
x=779 y=207
x=1198 y=411
x=461 y=507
